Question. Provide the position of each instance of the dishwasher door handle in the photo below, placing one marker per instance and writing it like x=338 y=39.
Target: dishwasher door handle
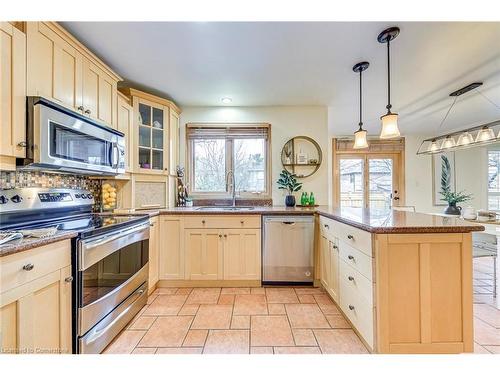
x=288 y=222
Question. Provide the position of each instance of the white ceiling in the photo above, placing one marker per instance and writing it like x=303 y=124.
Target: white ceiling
x=287 y=63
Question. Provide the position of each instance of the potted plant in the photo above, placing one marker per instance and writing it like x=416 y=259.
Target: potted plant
x=452 y=198
x=289 y=182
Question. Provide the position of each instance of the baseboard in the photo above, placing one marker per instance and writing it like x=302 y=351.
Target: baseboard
x=207 y=283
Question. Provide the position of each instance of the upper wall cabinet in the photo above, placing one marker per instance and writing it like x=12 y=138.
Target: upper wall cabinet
x=12 y=95
x=155 y=135
x=125 y=125
x=61 y=69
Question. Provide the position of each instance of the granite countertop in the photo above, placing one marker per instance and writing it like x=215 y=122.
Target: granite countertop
x=27 y=243
x=374 y=221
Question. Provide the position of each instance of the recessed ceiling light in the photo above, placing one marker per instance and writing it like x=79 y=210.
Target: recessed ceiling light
x=226 y=100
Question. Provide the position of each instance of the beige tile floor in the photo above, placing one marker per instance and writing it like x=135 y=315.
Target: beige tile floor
x=269 y=320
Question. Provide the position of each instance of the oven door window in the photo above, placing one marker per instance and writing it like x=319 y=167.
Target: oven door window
x=73 y=145
x=114 y=270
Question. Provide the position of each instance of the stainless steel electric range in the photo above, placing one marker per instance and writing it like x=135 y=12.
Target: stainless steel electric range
x=109 y=258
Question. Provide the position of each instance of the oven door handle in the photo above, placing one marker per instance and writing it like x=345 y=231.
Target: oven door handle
x=89 y=252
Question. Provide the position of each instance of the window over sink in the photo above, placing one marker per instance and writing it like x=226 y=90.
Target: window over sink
x=217 y=150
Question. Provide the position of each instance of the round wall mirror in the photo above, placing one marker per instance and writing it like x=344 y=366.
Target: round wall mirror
x=302 y=156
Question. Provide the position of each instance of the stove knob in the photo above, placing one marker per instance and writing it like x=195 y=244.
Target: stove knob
x=77 y=196
x=3 y=199
x=90 y=196
x=16 y=199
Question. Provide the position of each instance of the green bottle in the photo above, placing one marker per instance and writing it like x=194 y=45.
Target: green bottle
x=302 y=199
x=306 y=199
x=312 y=201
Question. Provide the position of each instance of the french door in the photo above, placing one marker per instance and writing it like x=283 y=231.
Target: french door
x=368 y=180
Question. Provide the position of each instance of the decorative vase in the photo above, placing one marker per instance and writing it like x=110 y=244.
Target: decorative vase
x=453 y=209
x=290 y=201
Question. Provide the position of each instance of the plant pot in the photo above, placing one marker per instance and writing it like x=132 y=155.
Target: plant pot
x=290 y=201
x=453 y=209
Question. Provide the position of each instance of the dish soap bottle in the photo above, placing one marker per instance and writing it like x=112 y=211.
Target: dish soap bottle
x=312 y=200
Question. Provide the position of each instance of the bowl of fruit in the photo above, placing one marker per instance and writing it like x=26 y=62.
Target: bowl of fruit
x=108 y=197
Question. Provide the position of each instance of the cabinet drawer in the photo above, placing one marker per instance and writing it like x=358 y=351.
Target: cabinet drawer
x=326 y=226
x=355 y=282
x=221 y=222
x=358 y=310
x=355 y=237
x=44 y=259
x=356 y=259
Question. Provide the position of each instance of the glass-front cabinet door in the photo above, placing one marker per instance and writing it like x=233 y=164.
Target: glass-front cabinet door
x=152 y=138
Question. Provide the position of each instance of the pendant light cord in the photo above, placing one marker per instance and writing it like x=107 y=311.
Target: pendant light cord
x=488 y=99
x=360 y=100
x=389 y=106
x=447 y=113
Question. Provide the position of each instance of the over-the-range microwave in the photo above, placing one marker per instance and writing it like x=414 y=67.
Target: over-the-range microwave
x=63 y=140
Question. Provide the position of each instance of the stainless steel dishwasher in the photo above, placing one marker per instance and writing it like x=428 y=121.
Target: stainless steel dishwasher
x=288 y=250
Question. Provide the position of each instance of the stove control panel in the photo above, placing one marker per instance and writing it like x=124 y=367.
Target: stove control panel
x=43 y=198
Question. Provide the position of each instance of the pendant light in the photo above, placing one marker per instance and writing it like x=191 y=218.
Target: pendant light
x=389 y=120
x=360 y=135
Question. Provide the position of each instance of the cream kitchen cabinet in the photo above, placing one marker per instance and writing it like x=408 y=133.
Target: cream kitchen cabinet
x=154 y=255
x=61 y=69
x=12 y=95
x=242 y=255
x=125 y=124
x=204 y=254
x=329 y=259
x=174 y=142
x=35 y=300
x=171 y=244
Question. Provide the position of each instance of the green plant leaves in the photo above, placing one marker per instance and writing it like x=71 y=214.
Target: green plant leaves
x=288 y=181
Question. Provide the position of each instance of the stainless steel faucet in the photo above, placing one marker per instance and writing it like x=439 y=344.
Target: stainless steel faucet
x=230 y=174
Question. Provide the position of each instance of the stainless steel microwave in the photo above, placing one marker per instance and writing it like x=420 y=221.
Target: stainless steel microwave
x=63 y=140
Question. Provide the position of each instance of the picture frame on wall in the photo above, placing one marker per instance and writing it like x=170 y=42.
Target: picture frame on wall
x=443 y=175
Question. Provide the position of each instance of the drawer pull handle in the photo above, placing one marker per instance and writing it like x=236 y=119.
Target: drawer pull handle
x=350 y=257
x=242 y=221
x=350 y=278
x=326 y=226
x=225 y=236
x=350 y=236
x=28 y=267
x=69 y=279
x=203 y=221
x=220 y=235
x=351 y=307
x=151 y=225
x=335 y=246
x=80 y=108
x=88 y=111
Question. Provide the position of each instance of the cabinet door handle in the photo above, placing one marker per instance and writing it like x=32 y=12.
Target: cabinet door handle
x=326 y=226
x=335 y=246
x=28 y=267
x=351 y=307
x=220 y=235
x=22 y=144
x=203 y=221
x=88 y=111
x=242 y=221
x=80 y=108
x=350 y=278
x=225 y=236
x=69 y=279
x=350 y=257
x=350 y=236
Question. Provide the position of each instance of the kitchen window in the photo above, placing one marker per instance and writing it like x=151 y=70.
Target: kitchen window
x=494 y=180
x=216 y=150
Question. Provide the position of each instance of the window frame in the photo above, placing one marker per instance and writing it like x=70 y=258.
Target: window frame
x=229 y=149
x=488 y=193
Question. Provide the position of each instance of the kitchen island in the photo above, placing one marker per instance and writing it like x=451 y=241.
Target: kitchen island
x=402 y=279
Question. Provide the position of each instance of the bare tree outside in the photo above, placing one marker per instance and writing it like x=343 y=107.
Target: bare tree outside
x=494 y=180
x=209 y=165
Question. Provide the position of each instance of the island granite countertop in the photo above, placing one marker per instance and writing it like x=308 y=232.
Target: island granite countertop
x=27 y=243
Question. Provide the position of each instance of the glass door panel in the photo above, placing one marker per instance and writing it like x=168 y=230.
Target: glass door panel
x=157 y=118
x=144 y=136
x=144 y=114
x=158 y=139
x=352 y=182
x=380 y=181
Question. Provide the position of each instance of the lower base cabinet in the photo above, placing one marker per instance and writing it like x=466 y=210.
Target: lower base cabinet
x=329 y=258
x=204 y=252
x=153 y=253
x=35 y=317
x=242 y=256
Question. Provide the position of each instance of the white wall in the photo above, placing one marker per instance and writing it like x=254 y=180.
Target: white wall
x=470 y=172
x=286 y=122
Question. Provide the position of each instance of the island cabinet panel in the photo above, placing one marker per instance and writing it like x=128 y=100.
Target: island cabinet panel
x=204 y=254
x=424 y=293
x=171 y=244
x=242 y=257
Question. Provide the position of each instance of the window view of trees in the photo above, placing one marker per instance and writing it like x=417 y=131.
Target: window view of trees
x=248 y=161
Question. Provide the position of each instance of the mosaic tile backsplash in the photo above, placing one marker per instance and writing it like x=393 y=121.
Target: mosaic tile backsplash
x=22 y=179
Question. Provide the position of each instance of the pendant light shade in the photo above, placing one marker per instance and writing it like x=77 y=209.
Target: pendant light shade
x=389 y=126
x=389 y=120
x=448 y=142
x=485 y=134
x=360 y=140
x=465 y=139
x=433 y=147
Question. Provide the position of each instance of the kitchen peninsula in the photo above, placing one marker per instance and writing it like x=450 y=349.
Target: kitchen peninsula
x=402 y=279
